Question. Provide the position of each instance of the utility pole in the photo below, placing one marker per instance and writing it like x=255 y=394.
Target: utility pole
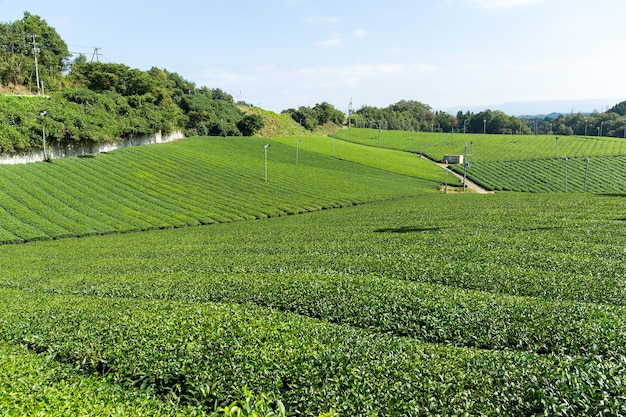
x=95 y=54
x=349 y=113
x=265 y=148
x=586 y=159
x=297 y=142
x=35 y=51
x=565 y=159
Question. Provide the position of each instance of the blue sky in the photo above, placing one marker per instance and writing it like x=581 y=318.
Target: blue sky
x=279 y=54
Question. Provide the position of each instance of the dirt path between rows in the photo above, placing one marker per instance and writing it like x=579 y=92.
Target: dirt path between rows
x=468 y=183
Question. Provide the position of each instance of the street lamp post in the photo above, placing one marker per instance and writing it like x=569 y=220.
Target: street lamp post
x=586 y=172
x=265 y=148
x=485 y=126
x=565 y=161
x=297 y=142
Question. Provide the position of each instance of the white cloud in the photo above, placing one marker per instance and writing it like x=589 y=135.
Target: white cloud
x=473 y=66
x=360 y=33
x=335 y=39
x=502 y=4
x=327 y=20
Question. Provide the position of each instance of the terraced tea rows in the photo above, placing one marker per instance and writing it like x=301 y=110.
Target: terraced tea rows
x=487 y=148
x=197 y=181
x=603 y=175
x=419 y=304
x=373 y=308
x=520 y=163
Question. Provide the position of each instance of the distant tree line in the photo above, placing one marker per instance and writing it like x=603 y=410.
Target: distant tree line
x=410 y=115
x=610 y=123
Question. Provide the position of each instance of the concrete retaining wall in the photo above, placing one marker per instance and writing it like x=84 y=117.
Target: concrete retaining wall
x=58 y=151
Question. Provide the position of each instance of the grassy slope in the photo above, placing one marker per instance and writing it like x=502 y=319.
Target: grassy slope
x=283 y=125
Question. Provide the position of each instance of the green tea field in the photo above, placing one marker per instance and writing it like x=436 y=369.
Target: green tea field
x=227 y=294
x=196 y=181
x=516 y=162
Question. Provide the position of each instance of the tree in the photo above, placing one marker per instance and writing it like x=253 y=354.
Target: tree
x=327 y=113
x=17 y=60
x=619 y=108
x=250 y=124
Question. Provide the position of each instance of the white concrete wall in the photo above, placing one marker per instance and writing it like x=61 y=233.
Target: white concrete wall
x=56 y=151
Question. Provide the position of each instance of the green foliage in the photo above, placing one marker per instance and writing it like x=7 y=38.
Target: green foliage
x=517 y=162
x=36 y=385
x=389 y=160
x=116 y=103
x=390 y=301
x=610 y=123
x=619 y=108
x=210 y=117
x=404 y=115
x=250 y=124
x=261 y=406
x=76 y=116
x=16 y=52
x=190 y=182
x=319 y=115
x=596 y=175
x=143 y=102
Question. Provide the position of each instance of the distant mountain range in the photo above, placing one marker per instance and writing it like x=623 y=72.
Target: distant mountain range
x=544 y=108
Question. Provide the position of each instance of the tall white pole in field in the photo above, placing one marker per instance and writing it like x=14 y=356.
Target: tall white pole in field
x=265 y=147
x=586 y=172
x=565 y=160
x=297 y=142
